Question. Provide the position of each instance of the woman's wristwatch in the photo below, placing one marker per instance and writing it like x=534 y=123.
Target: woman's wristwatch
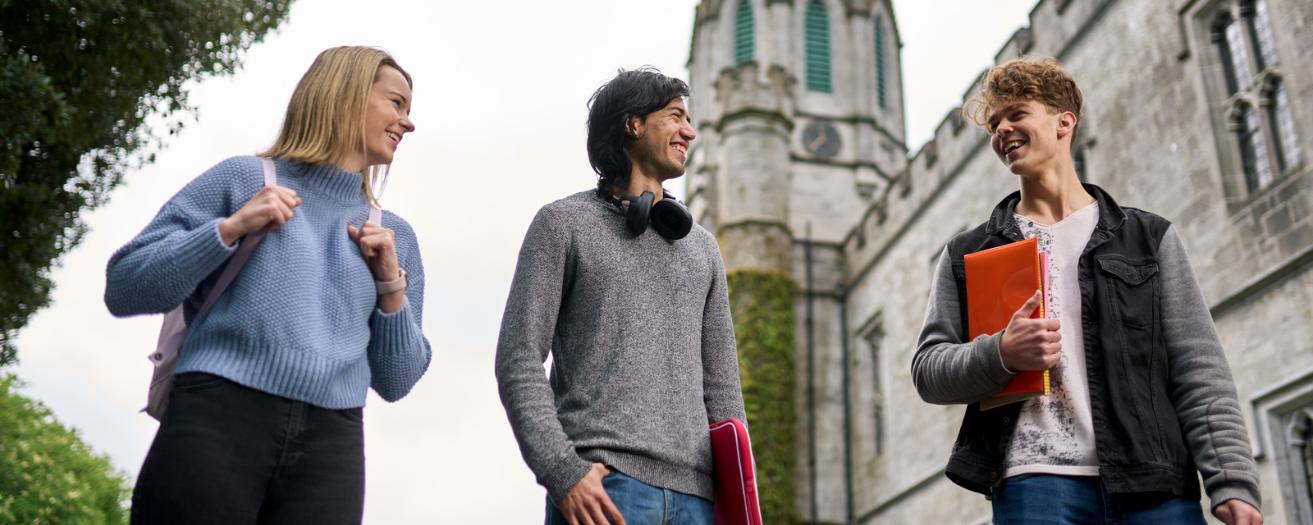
x=387 y=287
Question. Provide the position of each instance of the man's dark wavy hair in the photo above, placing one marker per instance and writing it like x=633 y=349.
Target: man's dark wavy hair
x=630 y=94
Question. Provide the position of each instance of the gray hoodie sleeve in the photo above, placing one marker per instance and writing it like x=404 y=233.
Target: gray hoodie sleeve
x=527 y=330
x=948 y=369
x=1200 y=383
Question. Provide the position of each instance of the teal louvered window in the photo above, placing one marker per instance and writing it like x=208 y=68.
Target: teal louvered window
x=817 y=32
x=879 y=63
x=744 y=40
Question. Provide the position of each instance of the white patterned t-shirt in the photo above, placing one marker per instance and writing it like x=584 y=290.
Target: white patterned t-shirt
x=1055 y=434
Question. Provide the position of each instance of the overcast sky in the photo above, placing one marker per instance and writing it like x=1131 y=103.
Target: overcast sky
x=499 y=105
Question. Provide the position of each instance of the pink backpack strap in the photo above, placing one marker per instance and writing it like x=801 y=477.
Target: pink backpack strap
x=249 y=242
x=375 y=215
x=270 y=172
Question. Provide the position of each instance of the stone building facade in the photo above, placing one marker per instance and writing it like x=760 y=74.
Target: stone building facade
x=1198 y=110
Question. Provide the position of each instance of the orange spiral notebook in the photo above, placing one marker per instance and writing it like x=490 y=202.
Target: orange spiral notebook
x=999 y=281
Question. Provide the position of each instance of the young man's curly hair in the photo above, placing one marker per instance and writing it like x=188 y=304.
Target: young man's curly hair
x=1020 y=79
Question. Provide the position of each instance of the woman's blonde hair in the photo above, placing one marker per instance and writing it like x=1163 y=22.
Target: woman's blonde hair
x=326 y=115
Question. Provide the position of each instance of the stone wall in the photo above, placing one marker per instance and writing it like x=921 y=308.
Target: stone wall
x=1151 y=135
x=1151 y=142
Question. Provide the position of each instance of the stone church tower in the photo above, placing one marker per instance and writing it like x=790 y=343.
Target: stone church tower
x=799 y=110
x=1198 y=110
x=799 y=107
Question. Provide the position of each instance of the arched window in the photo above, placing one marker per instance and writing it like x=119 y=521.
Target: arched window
x=879 y=63
x=1260 y=32
x=817 y=42
x=1307 y=449
x=1255 y=98
x=1284 y=421
x=1234 y=54
x=1235 y=44
x=1221 y=29
x=1299 y=436
x=873 y=335
x=744 y=38
x=1253 y=148
x=1283 y=125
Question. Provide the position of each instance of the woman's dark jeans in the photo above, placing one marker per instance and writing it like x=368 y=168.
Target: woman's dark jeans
x=227 y=454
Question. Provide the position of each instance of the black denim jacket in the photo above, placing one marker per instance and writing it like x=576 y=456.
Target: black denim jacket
x=1162 y=400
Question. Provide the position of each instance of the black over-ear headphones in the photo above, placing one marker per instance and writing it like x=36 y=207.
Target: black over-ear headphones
x=667 y=216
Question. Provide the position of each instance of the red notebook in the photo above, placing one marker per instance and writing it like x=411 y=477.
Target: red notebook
x=999 y=281
x=736 y=477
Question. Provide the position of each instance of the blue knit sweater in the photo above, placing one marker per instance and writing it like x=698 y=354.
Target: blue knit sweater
x=301 y=320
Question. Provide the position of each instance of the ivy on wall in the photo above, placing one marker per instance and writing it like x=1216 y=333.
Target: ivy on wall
x=761 y=303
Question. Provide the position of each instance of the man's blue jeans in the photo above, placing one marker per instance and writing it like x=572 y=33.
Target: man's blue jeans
x=643 y=504
x=1043 y=499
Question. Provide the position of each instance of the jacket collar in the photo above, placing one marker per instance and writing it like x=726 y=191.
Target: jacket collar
x=1111 y=216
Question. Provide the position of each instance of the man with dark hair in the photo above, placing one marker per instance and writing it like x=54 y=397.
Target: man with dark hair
x=1142 y=401
x=636 y=320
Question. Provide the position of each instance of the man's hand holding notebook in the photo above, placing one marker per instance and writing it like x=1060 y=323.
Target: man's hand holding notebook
x=1002 y=284
x=1029 y=343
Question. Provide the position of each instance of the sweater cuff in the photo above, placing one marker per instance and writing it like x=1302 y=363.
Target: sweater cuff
x=219 y=235
x=198 y=252
x=564 y=474
x=990 y=355
x=395 y=329
x=1243 y=493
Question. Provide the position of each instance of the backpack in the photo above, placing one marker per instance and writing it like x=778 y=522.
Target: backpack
x=174 y=329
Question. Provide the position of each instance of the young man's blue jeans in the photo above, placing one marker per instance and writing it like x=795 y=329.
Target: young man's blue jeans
x=643 y=504
x=1042 y=499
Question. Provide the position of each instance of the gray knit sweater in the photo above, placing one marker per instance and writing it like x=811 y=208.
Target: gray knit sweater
x=642 y=348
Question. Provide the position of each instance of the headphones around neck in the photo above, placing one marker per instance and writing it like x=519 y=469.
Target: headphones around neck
x=667 y=216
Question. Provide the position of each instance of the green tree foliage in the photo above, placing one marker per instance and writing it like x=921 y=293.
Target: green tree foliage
x=50 y=475
x=762 y=307
x=78 y=80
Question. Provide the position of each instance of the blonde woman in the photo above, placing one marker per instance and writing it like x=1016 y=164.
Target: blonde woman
x=264 y=420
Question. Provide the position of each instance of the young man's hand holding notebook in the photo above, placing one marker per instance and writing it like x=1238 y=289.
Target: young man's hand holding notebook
x=999 y=282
